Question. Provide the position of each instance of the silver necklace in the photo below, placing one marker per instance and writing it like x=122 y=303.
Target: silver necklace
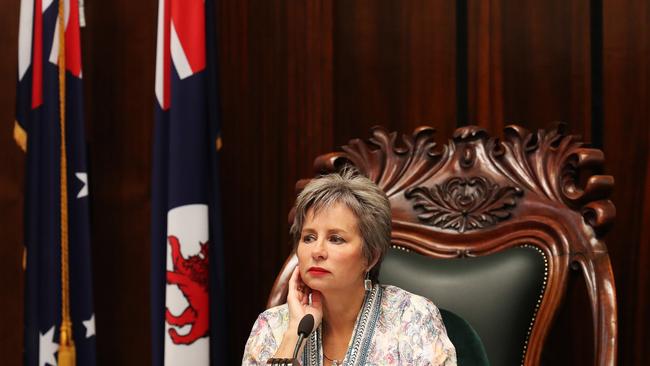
x=334 y=362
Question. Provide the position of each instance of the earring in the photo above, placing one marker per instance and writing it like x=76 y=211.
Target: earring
x=367 y=283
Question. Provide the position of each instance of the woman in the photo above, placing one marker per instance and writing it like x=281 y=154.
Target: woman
x=341 y=231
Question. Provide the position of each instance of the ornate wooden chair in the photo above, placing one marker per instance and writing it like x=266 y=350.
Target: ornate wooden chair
x=488 y=229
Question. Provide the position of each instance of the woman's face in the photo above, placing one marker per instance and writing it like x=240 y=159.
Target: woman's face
x=330 y=254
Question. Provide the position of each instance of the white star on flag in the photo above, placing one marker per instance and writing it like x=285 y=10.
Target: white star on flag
x=90 y=326
x=83 y=177
x=47 y=348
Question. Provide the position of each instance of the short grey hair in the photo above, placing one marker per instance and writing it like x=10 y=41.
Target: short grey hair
x=363 y=197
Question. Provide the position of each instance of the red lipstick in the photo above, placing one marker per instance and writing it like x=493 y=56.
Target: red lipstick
x=317 y=271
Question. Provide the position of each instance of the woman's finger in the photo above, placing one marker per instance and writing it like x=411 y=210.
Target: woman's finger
x=316 y=300
x=294 y=280
x=304 y=299
x=296 y=287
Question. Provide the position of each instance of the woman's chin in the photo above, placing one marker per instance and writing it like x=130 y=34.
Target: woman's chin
x=316 y=284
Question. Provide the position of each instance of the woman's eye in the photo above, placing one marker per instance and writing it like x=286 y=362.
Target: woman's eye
x=308 y=238
x=337 y=239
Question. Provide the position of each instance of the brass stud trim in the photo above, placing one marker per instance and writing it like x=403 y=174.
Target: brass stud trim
x=539 y=300
x=395 y=246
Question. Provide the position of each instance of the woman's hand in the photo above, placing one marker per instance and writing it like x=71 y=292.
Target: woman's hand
x=298 y=301
x=299 y=306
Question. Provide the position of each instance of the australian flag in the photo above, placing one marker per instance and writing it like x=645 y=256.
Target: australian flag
x=187 y=294
x=56 y=191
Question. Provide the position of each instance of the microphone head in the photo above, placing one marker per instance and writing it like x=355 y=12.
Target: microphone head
x=306 y=325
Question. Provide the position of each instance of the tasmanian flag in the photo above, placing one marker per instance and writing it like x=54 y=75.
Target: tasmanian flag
x=58 y=286
x=187 y=296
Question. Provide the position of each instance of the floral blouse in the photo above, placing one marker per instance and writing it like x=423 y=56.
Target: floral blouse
x=394 y=327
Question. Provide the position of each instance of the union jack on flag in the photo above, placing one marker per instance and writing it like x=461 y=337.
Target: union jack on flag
x=59 y=317
x=187 y=296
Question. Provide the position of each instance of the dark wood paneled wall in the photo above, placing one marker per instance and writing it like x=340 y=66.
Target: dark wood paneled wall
x=626 y=141
x=299 y=78
x=529 y=63
x=119 y=56
x=11 y=189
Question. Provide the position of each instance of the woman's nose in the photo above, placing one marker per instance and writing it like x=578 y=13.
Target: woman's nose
x=319 y=251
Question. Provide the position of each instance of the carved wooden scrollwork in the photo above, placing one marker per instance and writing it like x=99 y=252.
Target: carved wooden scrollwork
x=548 y=164
x=393 y=167
x=464 y=203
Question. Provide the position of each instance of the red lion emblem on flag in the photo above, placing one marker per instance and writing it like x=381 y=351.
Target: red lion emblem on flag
x=191 y=276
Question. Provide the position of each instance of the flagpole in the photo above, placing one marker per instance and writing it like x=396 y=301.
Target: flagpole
x=67 y=355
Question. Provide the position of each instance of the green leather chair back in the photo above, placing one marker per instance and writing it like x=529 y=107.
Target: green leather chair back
x=469 y=348
x=497 y=294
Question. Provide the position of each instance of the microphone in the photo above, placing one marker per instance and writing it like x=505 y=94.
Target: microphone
x=305 y=327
